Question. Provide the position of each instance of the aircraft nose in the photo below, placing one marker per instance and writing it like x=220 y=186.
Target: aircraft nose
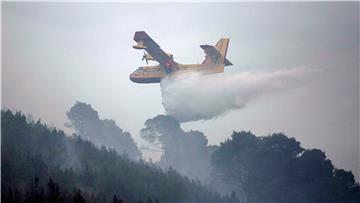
x=133 y=77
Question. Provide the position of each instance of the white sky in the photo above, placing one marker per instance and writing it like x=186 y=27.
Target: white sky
x=56 y=53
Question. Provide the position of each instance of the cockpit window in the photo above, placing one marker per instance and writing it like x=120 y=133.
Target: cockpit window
x=140 y=68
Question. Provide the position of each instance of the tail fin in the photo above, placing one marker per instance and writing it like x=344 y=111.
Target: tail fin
x=217 y=54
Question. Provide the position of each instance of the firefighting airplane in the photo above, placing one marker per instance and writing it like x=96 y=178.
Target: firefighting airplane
x=214 y=62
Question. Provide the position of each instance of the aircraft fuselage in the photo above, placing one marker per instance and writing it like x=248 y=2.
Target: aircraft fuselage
x=154 y=74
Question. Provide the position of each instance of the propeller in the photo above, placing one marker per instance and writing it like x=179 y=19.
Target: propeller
x=144 y=57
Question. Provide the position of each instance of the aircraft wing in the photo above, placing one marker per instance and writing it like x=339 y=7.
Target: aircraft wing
x=145 y=42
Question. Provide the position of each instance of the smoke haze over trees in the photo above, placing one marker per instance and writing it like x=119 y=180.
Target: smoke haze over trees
x=39 y=163
x=187 y=152
x=273 y=168
x=31 y=154
x=85 y=120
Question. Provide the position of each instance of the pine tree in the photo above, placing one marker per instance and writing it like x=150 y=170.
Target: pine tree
x=78 y=198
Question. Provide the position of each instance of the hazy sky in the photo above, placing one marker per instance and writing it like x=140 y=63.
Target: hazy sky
x=54 y=54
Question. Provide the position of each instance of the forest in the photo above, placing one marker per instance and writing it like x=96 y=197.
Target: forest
x=102 y=163
x=39 y=164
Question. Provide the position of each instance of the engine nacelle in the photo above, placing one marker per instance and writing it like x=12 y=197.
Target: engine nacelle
x=147 y=57
x=139 y=45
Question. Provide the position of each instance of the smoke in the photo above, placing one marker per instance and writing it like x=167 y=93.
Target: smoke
x=103 y=132
x=187 y=152
x=193 y=96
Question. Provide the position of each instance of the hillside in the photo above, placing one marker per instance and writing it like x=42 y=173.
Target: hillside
x=41 y=164
x=35 y=157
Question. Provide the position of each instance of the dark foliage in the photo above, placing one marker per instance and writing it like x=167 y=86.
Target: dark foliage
x=33 y=150
x=44 y=165
x=277 y=169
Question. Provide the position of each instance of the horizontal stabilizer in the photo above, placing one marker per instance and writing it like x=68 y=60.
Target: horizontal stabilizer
x=227 y=62
x=211 y=52
x=215 y=55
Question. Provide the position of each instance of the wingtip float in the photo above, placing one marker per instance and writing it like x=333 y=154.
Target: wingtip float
x=214 y=62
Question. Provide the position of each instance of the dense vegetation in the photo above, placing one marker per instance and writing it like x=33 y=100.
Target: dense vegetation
x=41 y=164
x=32 y=154
x=277 y=169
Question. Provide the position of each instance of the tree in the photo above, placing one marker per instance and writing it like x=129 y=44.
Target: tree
x=53 y=192
x=187 y=152
x=276 y=168
x=85 y=120
x=36 y=194
x=78 y=198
